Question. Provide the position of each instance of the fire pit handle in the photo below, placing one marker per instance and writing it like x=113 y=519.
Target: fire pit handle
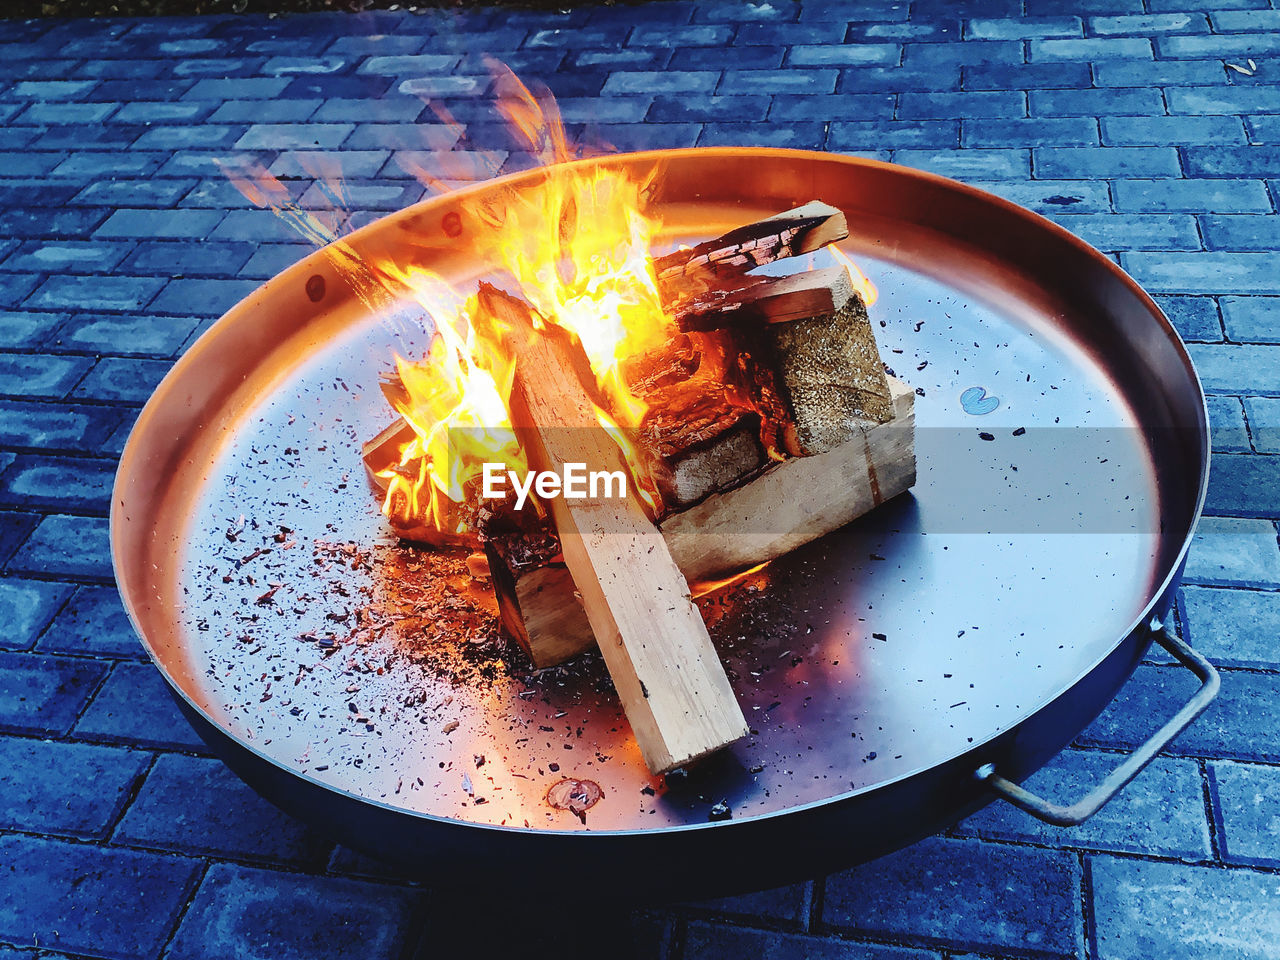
x=1083 y=809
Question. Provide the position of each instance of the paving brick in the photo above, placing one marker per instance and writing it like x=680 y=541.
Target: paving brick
x=648 y=136
x=1236 y=21
x=198 y=806
x=1060 y=131
x=44 y=694
x=1211 y=273
x=963 y=894
x=1114 y=232
x=66 y=546
x=294 y=136
x=133 y=193
x=147 y=336
x=245 y=912
x=917 y=29
x=847 y=55
x=142 y=90
x=1248 y=818
x=1233 y=628
x=170 y=258
x=291 y=66
x=27 y=163
x=135 y=706
x=1161 y=813
x=968 y=105
x=1026 y=76
x=388 y=110
x=93 y=623
x=1139 y=73
x=892 y=134
x=236 y=88
x=378 y=44
x=898 y=79
x=1166 y=130
x=811 y=80
x=54 y=426
x=660 y=82
x=1264 y=129
x=1238 y=724
x=1195 y=318
x=202 y=297
x=692 y=35
x=968 y=164
x=708 y=941
x=79 y=137
x=329 y=87
x=272 y=258
x=1054 y=197
x=617 y=109
x=1252 y=161
x=77 y=255
x=94 y=293
x=1180 y=912
x=1104 y=163
x=120 y=380
x=1239 y=45
x=418 y=64
x=52 y=224
x=1244 y=485
x=801 y=135
x=647 y=58
x=14 y=288
x=36 y=375
x=19 y=330
x=1149 y=24
x=1264 y=423
x=42 y=785
x=924 y=56
x=699 y=108
x=832 y=106
x=1194 y=196
x=181 y=138
x=1227 y=425
x=1225 y=100
x=269 y=111
x=844 y=10
x=160 y=224
x=789 y=34
x=1229 y=552
x=1114 y=101
x=61 y=113
x=1023 y=28
x=1091 y=49
x=26 y=607
x=91 y=164
x=14 y=530
x=402 y=136
x=52 y=89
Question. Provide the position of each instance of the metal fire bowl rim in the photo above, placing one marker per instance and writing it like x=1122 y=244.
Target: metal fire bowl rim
x=655 y=158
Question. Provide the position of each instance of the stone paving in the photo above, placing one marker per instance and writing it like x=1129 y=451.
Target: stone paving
x=1151 y=128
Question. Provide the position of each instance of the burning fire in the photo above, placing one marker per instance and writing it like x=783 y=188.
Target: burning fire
x=576 y=247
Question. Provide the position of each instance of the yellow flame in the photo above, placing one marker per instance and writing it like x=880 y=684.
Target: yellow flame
x=861 y=284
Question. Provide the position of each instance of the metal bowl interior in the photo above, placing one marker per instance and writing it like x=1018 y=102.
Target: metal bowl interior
x=939 y=623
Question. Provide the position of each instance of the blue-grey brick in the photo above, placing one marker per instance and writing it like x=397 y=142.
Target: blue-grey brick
x=143 y=112
x=67 y=546
x=272 y=258
x=39 y=375
x=970 y=53
x=810 y=80
x=1243 y=485
x=134 y=193
x=26 y=607
x=26 y=329
x=1113 y=101
x=1192 y=196
x=91 y=164
x=388 y=110
x=1232 y=552
x=377 y=44
x=402 y=136
x=198 y=806
x=1227 y=425
x=14 y=530
x=790 y=34
x=1139 y=73
x=1201 y=47
x=202 y=297
x=969 y=164
x=717 y=58
x=237 y=88
x=1249 y=818
x=829 y=107
x=1160 y=813
x=968 y=105
x=1264 y=129
x=121 y=380
x=1112 y=232
x=1237 y=725
x=1157 y=131
x=710 y=941
x=52 y=89
x=1149 y=24
x=432 y=88
x=89 y=256
x=365 y=195
x=266 y=111
x=44 y=694
x=186 y=258
x=611 y=110
x=1234 y=162
x=731 y=11
x=54 y=426
x=15 y=287
x=325 y=87
x=78 y=137
x=27 y=163
x=78 y=897
x=1211 y=273
x=843 y=10
x=1091 y=49
x=695 y=35
x=659 y=82
x=898 y=79
x=43 y=785
x=801 y=135
x=148 y=336
x=1235 y=21
x=93 y=622
x=160 y=224
x=844 y=55
x=94 y=293
x=730 y=108
x=1054 y=197
x=1023 y=28
x=294 y=136
x=963 y=894
x=56 y=224
x=246 y=912
x=182 y=138
x=59 y=113
x=1026 y=76
x=1252 y=319
x=135 y=706
x=1064 y=131
x=1233 y=628
x=147 y=90
x=892 y=134
x=289 y=66
x=1106 y=163
x=642 y=58
x=1175 y=911
x=649 y=136
x=1195 y=318
x=560 y=39
x=458 y=166
x=409 y=64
